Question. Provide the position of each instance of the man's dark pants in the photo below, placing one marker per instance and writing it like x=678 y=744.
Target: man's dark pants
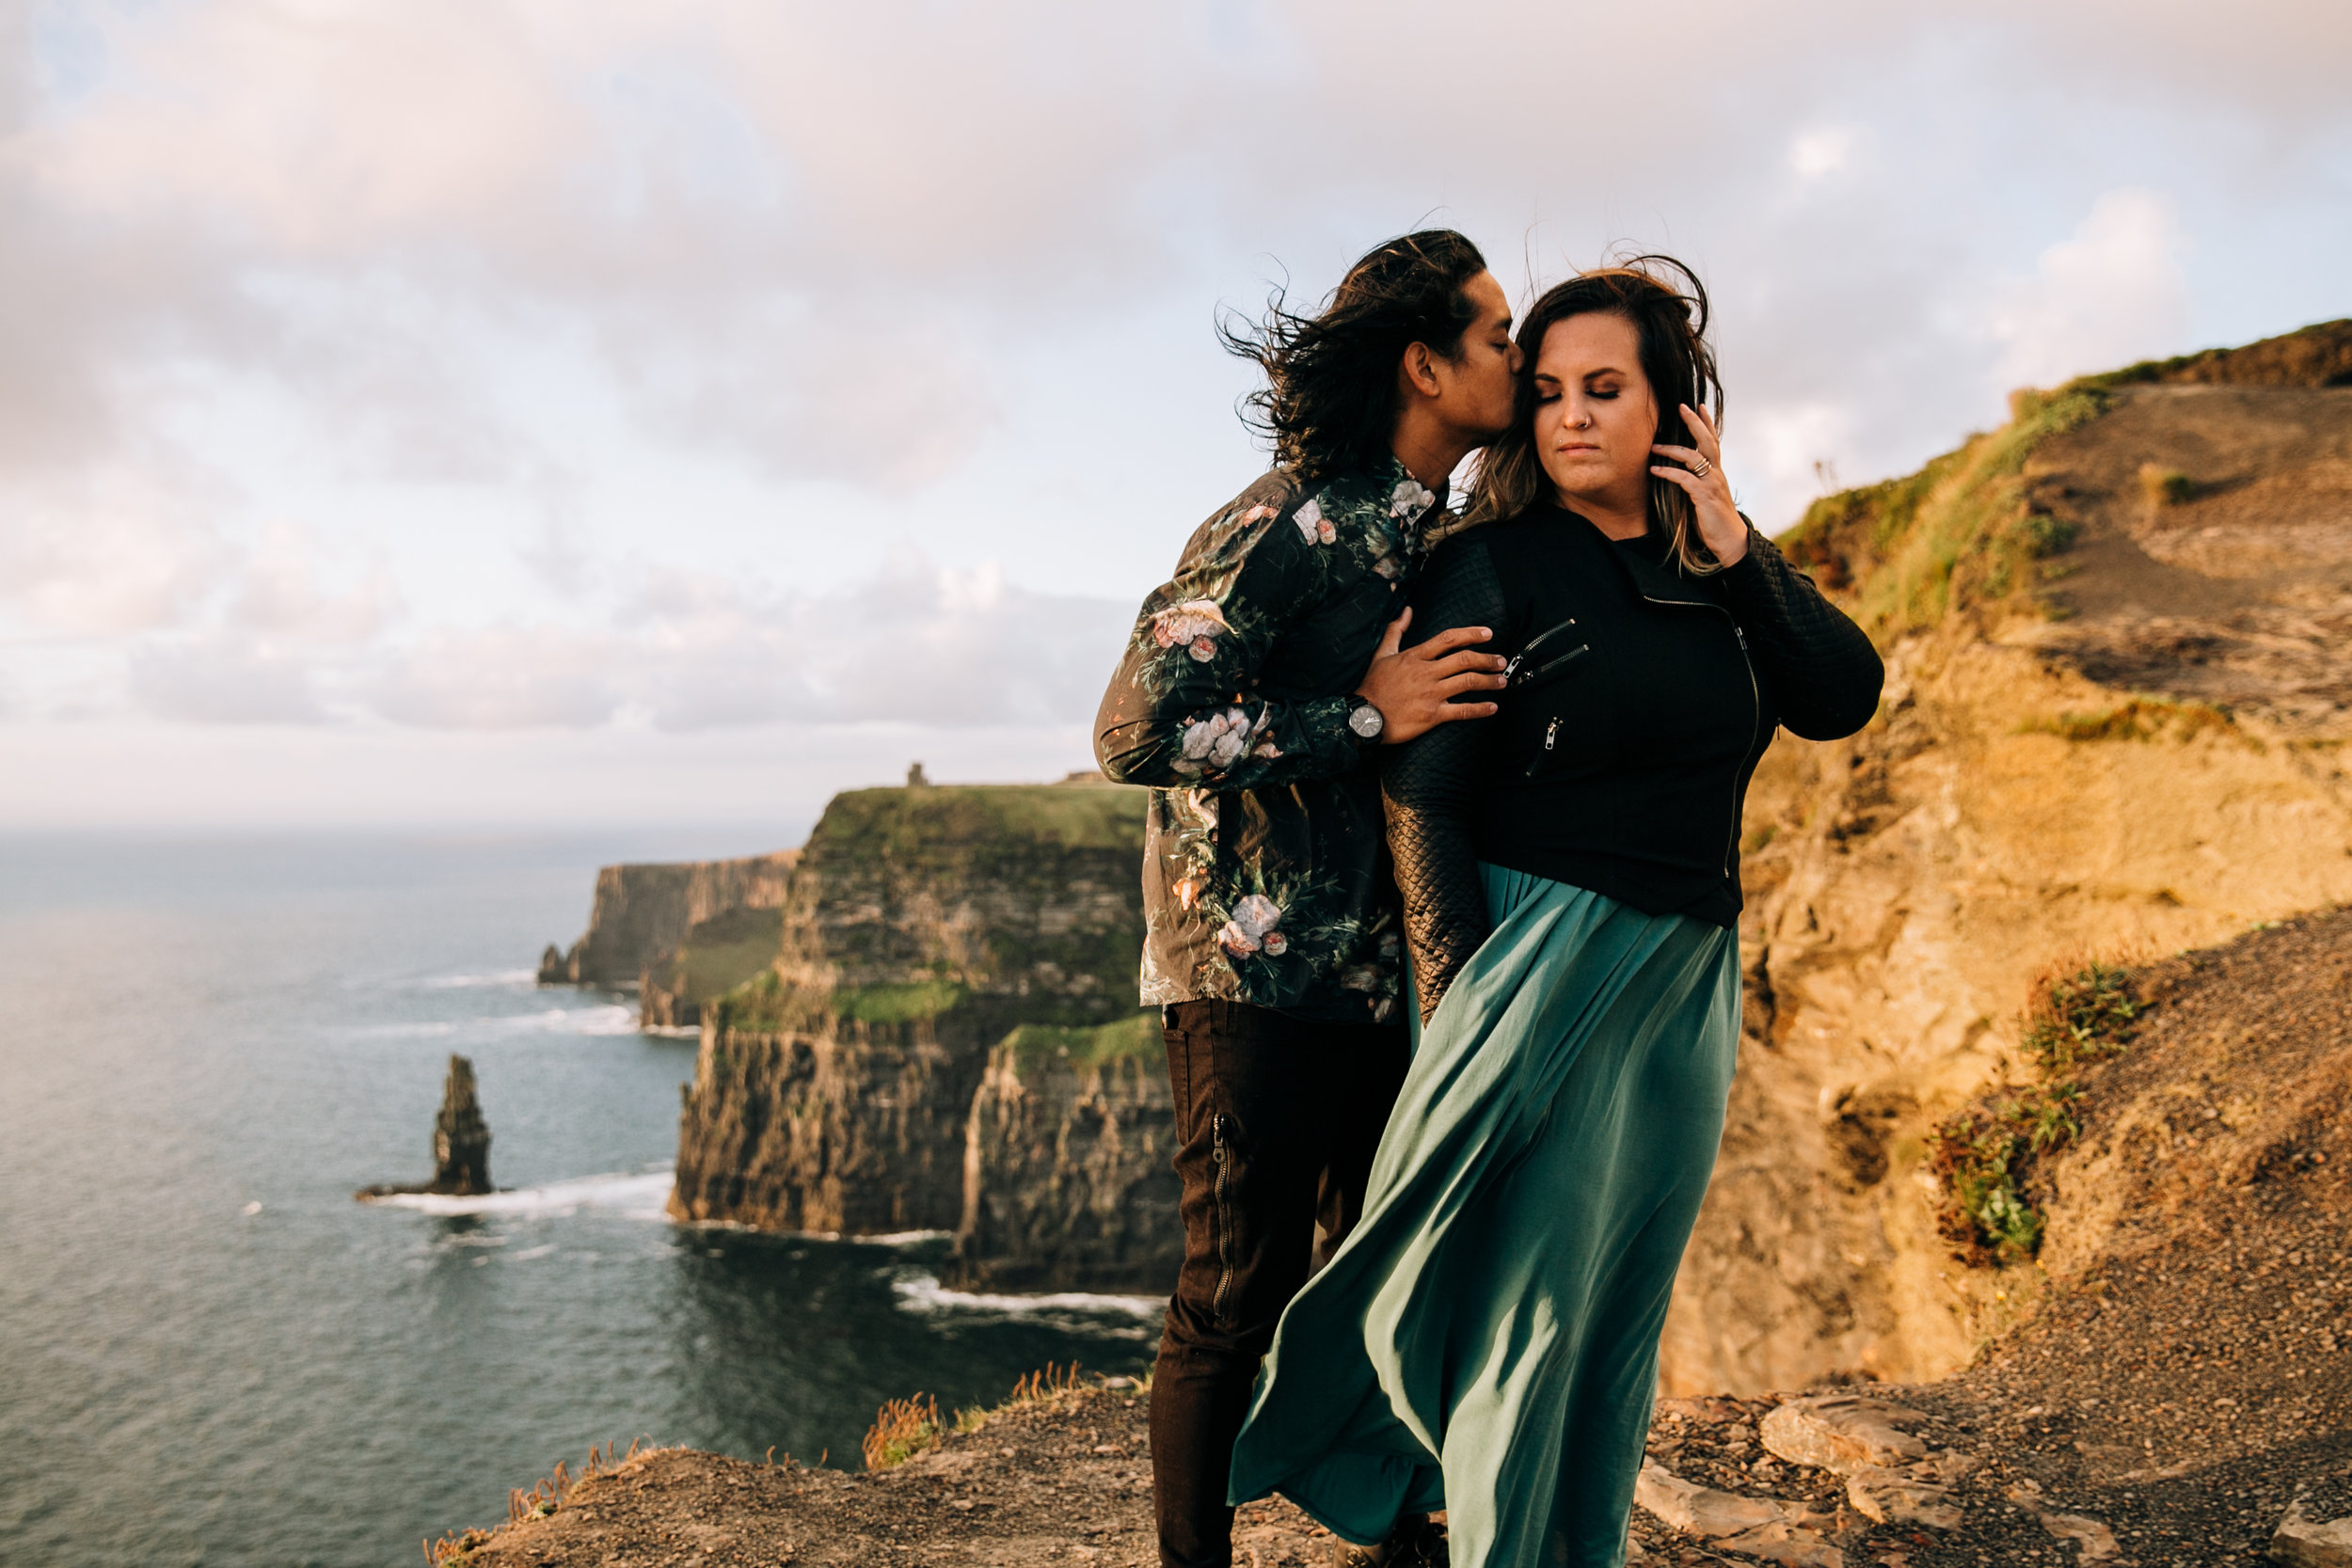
x=1277 y=1120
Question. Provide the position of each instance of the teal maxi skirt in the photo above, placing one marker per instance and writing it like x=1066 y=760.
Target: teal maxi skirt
x=1486 y=1341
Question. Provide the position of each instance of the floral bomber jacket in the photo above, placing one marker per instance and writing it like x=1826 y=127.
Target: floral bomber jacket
x=1266 y=873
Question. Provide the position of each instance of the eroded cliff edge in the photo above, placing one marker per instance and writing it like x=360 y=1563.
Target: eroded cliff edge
x=2115 y=727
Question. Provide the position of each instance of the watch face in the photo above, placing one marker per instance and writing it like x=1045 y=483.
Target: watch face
x=1364 y=719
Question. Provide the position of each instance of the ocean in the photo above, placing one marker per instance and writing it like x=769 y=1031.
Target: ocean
x=211 y=1354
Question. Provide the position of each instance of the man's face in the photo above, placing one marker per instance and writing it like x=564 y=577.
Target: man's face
x=1480 y=383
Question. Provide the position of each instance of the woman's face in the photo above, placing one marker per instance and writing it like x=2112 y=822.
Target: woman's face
x=1595 y=414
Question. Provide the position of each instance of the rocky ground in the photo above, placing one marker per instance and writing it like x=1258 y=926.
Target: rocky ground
x=1067 y=1480
x=2182 y=1386
x=1062 y=1479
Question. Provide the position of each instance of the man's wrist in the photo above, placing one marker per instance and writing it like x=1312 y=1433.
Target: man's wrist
x=1365 y=721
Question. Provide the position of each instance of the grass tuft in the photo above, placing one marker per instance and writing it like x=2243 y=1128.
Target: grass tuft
x=458 y=1548
x=2078 y=1018
x=2164 y=487
x=904 y=1428
x=1984 y=1157
x=2140 y=719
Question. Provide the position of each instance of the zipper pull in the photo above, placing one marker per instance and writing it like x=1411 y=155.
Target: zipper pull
x=1511 y=671
x=1741 y=635
x=1551 y=733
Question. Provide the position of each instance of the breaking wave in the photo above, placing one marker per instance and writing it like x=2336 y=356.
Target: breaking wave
x=925 y=1293
x=611 y=1018
x=470 y=982
x=638 y=1195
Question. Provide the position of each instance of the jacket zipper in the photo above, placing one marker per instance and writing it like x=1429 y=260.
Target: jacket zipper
x=1755 y=712
x=1511 y=672
x=1222 y=1155
x=1513 y=676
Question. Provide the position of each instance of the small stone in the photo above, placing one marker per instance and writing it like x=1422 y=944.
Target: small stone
x=1697 y=1510
x=1786 y=1544
x=1842 y=1433
x=1894 y=1499
x=2303 y=1542
x=2096 y=1541
x=1953 y=1466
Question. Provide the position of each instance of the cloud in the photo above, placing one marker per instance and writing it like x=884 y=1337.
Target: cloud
x=2113 y=294
x=532 y=313
x=109 y=553
x=284 y=589
x=223 y=678
x=1824 y=150
x=530 y=678
x=916 y=643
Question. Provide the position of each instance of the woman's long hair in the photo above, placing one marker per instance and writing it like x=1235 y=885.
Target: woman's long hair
x=1329 y=402
x=1667 y=306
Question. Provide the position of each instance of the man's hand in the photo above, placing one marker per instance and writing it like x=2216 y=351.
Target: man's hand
x=1412 y=688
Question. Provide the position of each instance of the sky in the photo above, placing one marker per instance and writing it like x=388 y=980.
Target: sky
x=653 y=412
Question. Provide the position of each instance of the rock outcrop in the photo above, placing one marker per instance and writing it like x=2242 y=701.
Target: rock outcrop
x=461 y=1143
x=1067 y=1180
x=461 y=1139
x=921 y=927
x=643 y=913
x=2116 y=723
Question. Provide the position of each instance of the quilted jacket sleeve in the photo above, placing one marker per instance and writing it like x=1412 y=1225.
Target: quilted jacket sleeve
x=1824 y=673
x=1429 y=783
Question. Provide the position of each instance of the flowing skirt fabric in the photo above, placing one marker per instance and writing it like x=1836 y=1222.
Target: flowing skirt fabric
x=1487 y=1339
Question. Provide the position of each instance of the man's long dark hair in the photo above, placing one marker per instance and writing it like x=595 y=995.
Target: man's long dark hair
x=1331 y=398
x=1667 y=305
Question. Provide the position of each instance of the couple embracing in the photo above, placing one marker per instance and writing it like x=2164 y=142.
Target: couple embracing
x=1440 y=883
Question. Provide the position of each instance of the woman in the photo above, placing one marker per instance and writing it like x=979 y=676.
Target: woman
x=1487 y=1340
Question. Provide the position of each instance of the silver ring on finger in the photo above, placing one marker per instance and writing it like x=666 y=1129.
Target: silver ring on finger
x=1700 y=468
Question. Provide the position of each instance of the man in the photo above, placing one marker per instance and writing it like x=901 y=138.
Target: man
x=1256 y=690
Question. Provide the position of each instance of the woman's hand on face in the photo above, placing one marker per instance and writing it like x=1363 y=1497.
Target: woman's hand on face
x=1702 y=479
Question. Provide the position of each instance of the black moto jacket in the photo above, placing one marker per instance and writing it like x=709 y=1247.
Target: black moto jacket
x=1641 y=701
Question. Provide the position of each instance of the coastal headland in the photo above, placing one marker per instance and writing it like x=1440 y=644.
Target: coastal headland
x=2039 y=1132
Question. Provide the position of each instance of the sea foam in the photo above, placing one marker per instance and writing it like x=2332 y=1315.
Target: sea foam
x=925 y=1293
x=638 y=1195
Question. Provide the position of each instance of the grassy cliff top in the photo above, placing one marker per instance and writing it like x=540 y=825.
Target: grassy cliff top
x=1038 y=1045
x=931 y=817
x=1959 y=532
x=1966 y=530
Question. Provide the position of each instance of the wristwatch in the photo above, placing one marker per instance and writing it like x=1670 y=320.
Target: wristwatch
x=1363 y=719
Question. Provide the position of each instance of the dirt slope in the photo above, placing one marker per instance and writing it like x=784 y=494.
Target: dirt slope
x=2239 y=592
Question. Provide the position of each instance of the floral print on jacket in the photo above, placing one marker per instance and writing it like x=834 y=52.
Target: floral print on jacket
x=1266 y=875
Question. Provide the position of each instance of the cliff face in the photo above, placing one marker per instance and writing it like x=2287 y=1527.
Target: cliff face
x=642 y=912
x=921 y=927
x=1067 y=1180
x=2116 y=724
x=715 y=956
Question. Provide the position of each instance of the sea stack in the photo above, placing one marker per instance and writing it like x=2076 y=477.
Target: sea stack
x=461 y=1145
x=461 y=1139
